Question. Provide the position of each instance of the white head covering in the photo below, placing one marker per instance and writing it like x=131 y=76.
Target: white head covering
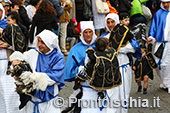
x=113 y=16
x=3 y=11
x=87 y=25
x=16 y=56
x=165 y=0
x=163 y=6
x=49 y=38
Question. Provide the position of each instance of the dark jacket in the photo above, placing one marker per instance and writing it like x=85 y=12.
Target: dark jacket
x=24 y=17
x=42 y=21
x=59 y=10
x=124 y=5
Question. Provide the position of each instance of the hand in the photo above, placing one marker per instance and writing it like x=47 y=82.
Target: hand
x=1 y=30
x=3 y=45
x=149 y=40
x=134 y=68
x=90 y=47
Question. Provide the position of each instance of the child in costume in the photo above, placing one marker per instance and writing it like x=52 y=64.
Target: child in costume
x=13 y=33
x=103 y=68
x=144 y=68
x=25 y=84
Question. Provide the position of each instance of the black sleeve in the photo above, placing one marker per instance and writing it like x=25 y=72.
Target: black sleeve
x=150 y=48
x=31 y=33
x=90 y=54
x=136 y=63
x=24 y=17
x=55 y=25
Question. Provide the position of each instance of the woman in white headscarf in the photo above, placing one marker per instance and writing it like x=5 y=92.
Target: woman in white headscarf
x=75 y=63
x=47 y=61
x=111 y=21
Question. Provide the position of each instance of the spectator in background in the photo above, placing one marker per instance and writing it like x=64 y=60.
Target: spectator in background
x=32 y=7
x=45 y=18
x=64 y=19
x=23 y=14
x=72 y=35
x=98 y=19
x=136 y=14
x=14 y=6
x=83 y=7
x=59 y=8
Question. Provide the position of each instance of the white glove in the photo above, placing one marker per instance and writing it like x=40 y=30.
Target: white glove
x=39 y=80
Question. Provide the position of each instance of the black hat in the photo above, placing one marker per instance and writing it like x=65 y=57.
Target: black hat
x=123 y=15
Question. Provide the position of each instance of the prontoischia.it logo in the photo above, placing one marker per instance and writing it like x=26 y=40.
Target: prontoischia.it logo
x=132 y=102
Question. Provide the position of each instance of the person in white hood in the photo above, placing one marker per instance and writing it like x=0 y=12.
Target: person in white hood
x=158 y=33
x=111 y=20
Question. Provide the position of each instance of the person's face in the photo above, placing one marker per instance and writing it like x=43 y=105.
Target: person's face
x=42 y=46
x=125 y=21
x=166 y=5
x=10 y=20
x=88 y=34
x=6 y=9
x=16 y=8
x=110 y=23
x=15 y=62
x=75 y=23
x=143 y=52
x=22 y=2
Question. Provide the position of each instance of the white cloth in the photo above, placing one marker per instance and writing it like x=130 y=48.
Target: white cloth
x=49 y=38
x=165 y=0
x=16 y=56
x=3 y=11
x=90 y=94
x=123 y=91
x=30 y=11
x=99 y=19
x=9 y=99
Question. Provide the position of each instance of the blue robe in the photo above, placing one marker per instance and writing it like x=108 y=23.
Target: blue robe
x=158 y=25
x=53 y=65
x=75 y=59
x=3 y=23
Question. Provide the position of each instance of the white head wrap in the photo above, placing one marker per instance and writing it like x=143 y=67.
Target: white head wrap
x=163 y=6
x=87 y=25
x=3 y=11
x=49 y=38
x=113 y=16
x=165 y=0
x=16 y=56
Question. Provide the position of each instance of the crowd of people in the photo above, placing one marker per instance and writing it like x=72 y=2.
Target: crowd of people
x=100 y=58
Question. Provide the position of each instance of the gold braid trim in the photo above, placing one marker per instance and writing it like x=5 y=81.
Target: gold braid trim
x=124 y=35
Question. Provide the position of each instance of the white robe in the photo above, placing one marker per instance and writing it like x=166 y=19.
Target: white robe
x=9 y=99
x=45 y=107
x=123 y=91
x=165 y=61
